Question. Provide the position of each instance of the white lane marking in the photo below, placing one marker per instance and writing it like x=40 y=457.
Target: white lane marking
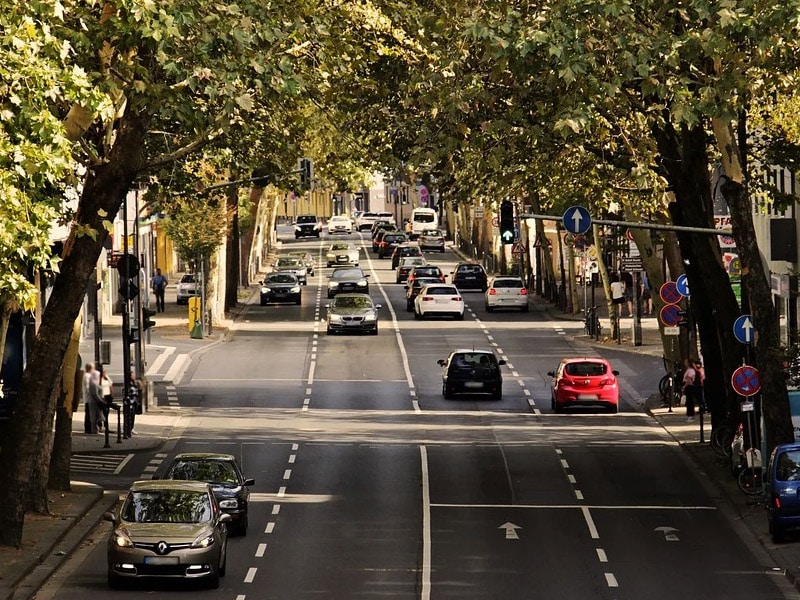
x=514 y=373
x=282 y=491
x=415 y=404
x=308 y=391
x=287 y=474
x=590 y=523
x=571 y=506
x=241 y=597
x=601 y=555
x=270 y=527
x=276 y=509
x=311 y=368
x=499 y=351
x=261 y=550
x=295 y=446
x=521 y=382
x=251 y=575
x=579 y=494
x=125 y=461
x=160 y=360
x=425 y=593
x=564 y=463
x=489 y=337
x=177 y=366
x=611 y=580
x=571 y=479
x=292 y=458
x=526 y=392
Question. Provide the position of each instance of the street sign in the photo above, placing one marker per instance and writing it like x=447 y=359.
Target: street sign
x=478 y=212
x=495 y=221
x=518 y=248
x=745 y=381
x=576 y=220
x=669 y=293
x=670 y=315
x=743 y=329
x=682 y=285
x=631 y=264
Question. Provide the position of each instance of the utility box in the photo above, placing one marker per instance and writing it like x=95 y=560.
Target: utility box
x=195 y=312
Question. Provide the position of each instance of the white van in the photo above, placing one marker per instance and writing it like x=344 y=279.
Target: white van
x=422 y=219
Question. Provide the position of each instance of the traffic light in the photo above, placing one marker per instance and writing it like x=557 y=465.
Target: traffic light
x=147 y=322
x=306 y=168
x=507 y=228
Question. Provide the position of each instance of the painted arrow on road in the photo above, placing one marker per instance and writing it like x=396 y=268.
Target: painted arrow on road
x=669 y=533
x=511 y=530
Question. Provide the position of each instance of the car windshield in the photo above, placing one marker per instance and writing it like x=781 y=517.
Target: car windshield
x=281 y=278
x=347 y=274
x=425 y=271
x=167 y=506
x=507 y=283
x=788 y=466
x=441 y=291
x=187 y=279
x=351 y=302
x=306 y=219
x=212 y=471
x=340 y=247
x=472 y=360
x=585 y=369
x=410 y=250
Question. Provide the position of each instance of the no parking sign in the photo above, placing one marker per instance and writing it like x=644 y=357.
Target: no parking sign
x=745 y=381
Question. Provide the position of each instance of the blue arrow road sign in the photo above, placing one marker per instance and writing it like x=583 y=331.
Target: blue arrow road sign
x=743 y=329
x=576 y=220
x=682 y=285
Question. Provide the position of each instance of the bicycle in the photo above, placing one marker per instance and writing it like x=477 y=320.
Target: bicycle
x=750 y=478
x=722 y=437
x=591 y=324
x=669 y=387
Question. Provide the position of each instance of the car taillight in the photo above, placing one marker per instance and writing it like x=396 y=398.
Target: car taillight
x=776 y=502
x=441 y=278
x=456 y=299
x=492 y=292
x=523 y=292
x=427 y=298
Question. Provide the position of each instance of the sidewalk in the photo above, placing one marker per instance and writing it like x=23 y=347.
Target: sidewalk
x=48 y=540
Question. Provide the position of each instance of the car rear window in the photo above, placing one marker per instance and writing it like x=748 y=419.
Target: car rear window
x=788 y=466
x=442 y=291
x=507 y=283
x=427 y=271
x=471 y=269
x=424 y=217
x=585 y=369
x=393 y=238
x=476 y=359
x=432 y=233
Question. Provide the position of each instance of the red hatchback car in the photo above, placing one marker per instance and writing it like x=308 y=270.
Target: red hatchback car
x=584 y=382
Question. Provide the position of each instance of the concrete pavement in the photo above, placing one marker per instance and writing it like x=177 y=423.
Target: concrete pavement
x=48 y=540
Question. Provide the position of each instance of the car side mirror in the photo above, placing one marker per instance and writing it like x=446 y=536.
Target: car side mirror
x=501 y=362
x=379 y=306
x=366 y=275
x=327 y=305
x=225 y=518
x=551 y=373
x=441 y=362
x=249 y=481
x=261 y=282
x=109 y=516
x=615 y=372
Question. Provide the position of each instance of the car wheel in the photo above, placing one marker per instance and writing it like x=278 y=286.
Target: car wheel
x=329 y=265
x=409 y=306
x=497 y=395
x=397 y=280
x=263 y=303
x=213 y=580
x=223 y=569
x=459 y=316
x=115 y=582
x=777 y=532
x=613 y=408
x=524 y=308
x=374 y=331
x=489 y=308
x=447 y=392
x=298 y=301
x=417 y=314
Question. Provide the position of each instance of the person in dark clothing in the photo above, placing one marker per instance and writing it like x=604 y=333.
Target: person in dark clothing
x=159 y=286
x=689 y=377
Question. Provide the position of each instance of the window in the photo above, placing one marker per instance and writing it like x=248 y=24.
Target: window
x=585 y=369
x=508 y=283
x=788 y=467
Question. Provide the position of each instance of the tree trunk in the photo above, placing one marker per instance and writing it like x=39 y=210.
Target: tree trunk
x=685 y=161
x=774 y=397
x=36 y=497
x=233 y=254
x=104 y=190
x=71 y=383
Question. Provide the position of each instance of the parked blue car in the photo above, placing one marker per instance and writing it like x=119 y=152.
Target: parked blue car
x=783 y=490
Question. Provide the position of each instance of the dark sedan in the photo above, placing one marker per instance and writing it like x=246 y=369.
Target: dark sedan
x=352 y=313
x=348 y=279
x=413 y=288
x=472 y=372
x=281 y=287
x=222 y=472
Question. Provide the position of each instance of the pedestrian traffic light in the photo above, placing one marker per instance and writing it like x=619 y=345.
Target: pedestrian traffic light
x=507 y=233
x=147 y=322
x=306 y=168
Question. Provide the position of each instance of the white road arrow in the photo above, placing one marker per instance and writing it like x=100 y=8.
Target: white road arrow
x=511 y=530
x=669 y=533
x=747 y=325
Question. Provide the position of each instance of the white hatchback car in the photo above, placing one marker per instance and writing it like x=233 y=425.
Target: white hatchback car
x=439 y=299
x=340 y=224
x=506 y=292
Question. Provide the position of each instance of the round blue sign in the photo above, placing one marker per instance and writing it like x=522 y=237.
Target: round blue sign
x=670 y=315
x=669 y=293
x=682 y=285
x=744 y=330
x=576 y=220
x=745 y=381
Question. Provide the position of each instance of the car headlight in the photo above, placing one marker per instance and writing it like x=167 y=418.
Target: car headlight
x=265 y=290
x=361 y=282
x=229 y=503
x=333 y=284
x=370 y=317
x=295 y=289
x=204 y=541
x=335 y=318
x=330 y=256
x=122 y=540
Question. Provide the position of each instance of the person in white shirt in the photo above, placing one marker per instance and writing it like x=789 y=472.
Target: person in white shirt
x=617 y=294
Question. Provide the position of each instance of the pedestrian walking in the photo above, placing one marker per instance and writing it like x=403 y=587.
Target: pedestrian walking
x=645 y=296
x=617 y=293
x=159 y=286
x=95 y=402
x=627 y=280
x=699 y=385
x=107 y=391
x=86 y=395
x=689 y=377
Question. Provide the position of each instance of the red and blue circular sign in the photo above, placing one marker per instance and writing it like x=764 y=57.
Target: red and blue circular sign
x=669 y=293
x=670 y=315
x=745 y=381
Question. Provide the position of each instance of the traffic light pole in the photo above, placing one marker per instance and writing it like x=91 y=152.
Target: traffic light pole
x=126 y=318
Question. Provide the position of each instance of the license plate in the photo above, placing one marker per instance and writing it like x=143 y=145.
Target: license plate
x=161 y=560
x=587 y=397
x=473 y=384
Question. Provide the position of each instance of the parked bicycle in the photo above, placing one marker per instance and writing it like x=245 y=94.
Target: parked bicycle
x=669 y=387
x=723 y=437
x=591 y=324
x=750 y=478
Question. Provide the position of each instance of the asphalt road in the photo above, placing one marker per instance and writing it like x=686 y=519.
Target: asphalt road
x=370 y=485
